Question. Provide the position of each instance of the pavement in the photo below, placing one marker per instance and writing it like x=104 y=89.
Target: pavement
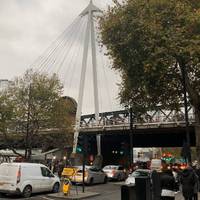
x=179 y=196
x=108 y=196
x=74 y=195
x=109 y=191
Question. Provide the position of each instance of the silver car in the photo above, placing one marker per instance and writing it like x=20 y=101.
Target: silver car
x=115 y=172
x=137 y=173
x=92 y=175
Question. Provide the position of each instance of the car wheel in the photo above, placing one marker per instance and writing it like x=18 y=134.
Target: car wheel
x=27 y=191
x=2 y=195
x=105 y=180
x=56 y=188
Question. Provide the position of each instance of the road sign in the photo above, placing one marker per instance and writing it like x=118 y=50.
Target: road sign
x=69 y=171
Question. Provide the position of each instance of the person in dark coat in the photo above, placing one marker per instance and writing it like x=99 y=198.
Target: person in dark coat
x=187 y=180
x=60 y=168
x=198 y=174
x=196 y=185
x=167 y=185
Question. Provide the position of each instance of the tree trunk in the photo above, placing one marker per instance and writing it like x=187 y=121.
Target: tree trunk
x=197 y=134
x=194 y=97
x=29 y=154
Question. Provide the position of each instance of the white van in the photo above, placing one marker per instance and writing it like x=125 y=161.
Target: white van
x=156 y=164
x=27 y=178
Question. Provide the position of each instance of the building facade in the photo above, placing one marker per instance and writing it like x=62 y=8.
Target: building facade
x=4 y=83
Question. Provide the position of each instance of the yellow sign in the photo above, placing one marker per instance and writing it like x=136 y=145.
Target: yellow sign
x=69 y=171
x=66 y=186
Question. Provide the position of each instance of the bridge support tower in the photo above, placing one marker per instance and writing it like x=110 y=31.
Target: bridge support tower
x=89 y=36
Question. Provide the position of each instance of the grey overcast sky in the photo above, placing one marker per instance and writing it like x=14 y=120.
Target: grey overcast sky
x=28 y=27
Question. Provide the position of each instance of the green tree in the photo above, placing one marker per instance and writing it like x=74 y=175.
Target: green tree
x=36 y=106
x=152 y=43
x=6 y=116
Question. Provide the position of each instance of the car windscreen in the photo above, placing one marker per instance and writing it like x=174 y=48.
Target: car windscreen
x=135 y=174
x=139 y=173
x=110 y=167
x=8 y=170
x=80 y=171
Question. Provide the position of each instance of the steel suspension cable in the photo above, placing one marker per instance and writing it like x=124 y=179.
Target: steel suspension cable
x=68 y=49
x=49 y=48
x=59 y=54
x=56 y=45
x=51 y=60
x=74 y=59
x=102 y=67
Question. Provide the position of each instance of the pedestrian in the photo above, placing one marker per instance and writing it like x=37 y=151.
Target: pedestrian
x=198 y=173
x=176 y=174
x=187 y=181
x=196 y=185
x=167 y=184
x=55 y=167
x=60 y=168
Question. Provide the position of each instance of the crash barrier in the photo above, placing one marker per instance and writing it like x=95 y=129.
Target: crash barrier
x=141 y=190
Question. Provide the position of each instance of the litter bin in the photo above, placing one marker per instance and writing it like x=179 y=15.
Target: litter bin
x=143 y=188
x=156 y=187
x=128 y=192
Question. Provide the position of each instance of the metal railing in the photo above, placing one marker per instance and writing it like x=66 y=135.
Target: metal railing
x=121 y=117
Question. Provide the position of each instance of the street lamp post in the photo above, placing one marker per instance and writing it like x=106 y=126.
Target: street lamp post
x=65 y=160
x=84 y=161
x=131 y=135
x=188 y=150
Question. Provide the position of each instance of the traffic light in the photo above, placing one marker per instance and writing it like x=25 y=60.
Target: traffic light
x=79 y=148
x=90 y=141
x=124 y=150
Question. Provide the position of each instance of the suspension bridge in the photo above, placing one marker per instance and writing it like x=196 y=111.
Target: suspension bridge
x=77 y=56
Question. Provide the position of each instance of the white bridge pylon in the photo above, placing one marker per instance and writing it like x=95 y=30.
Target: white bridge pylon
x=89 y=36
